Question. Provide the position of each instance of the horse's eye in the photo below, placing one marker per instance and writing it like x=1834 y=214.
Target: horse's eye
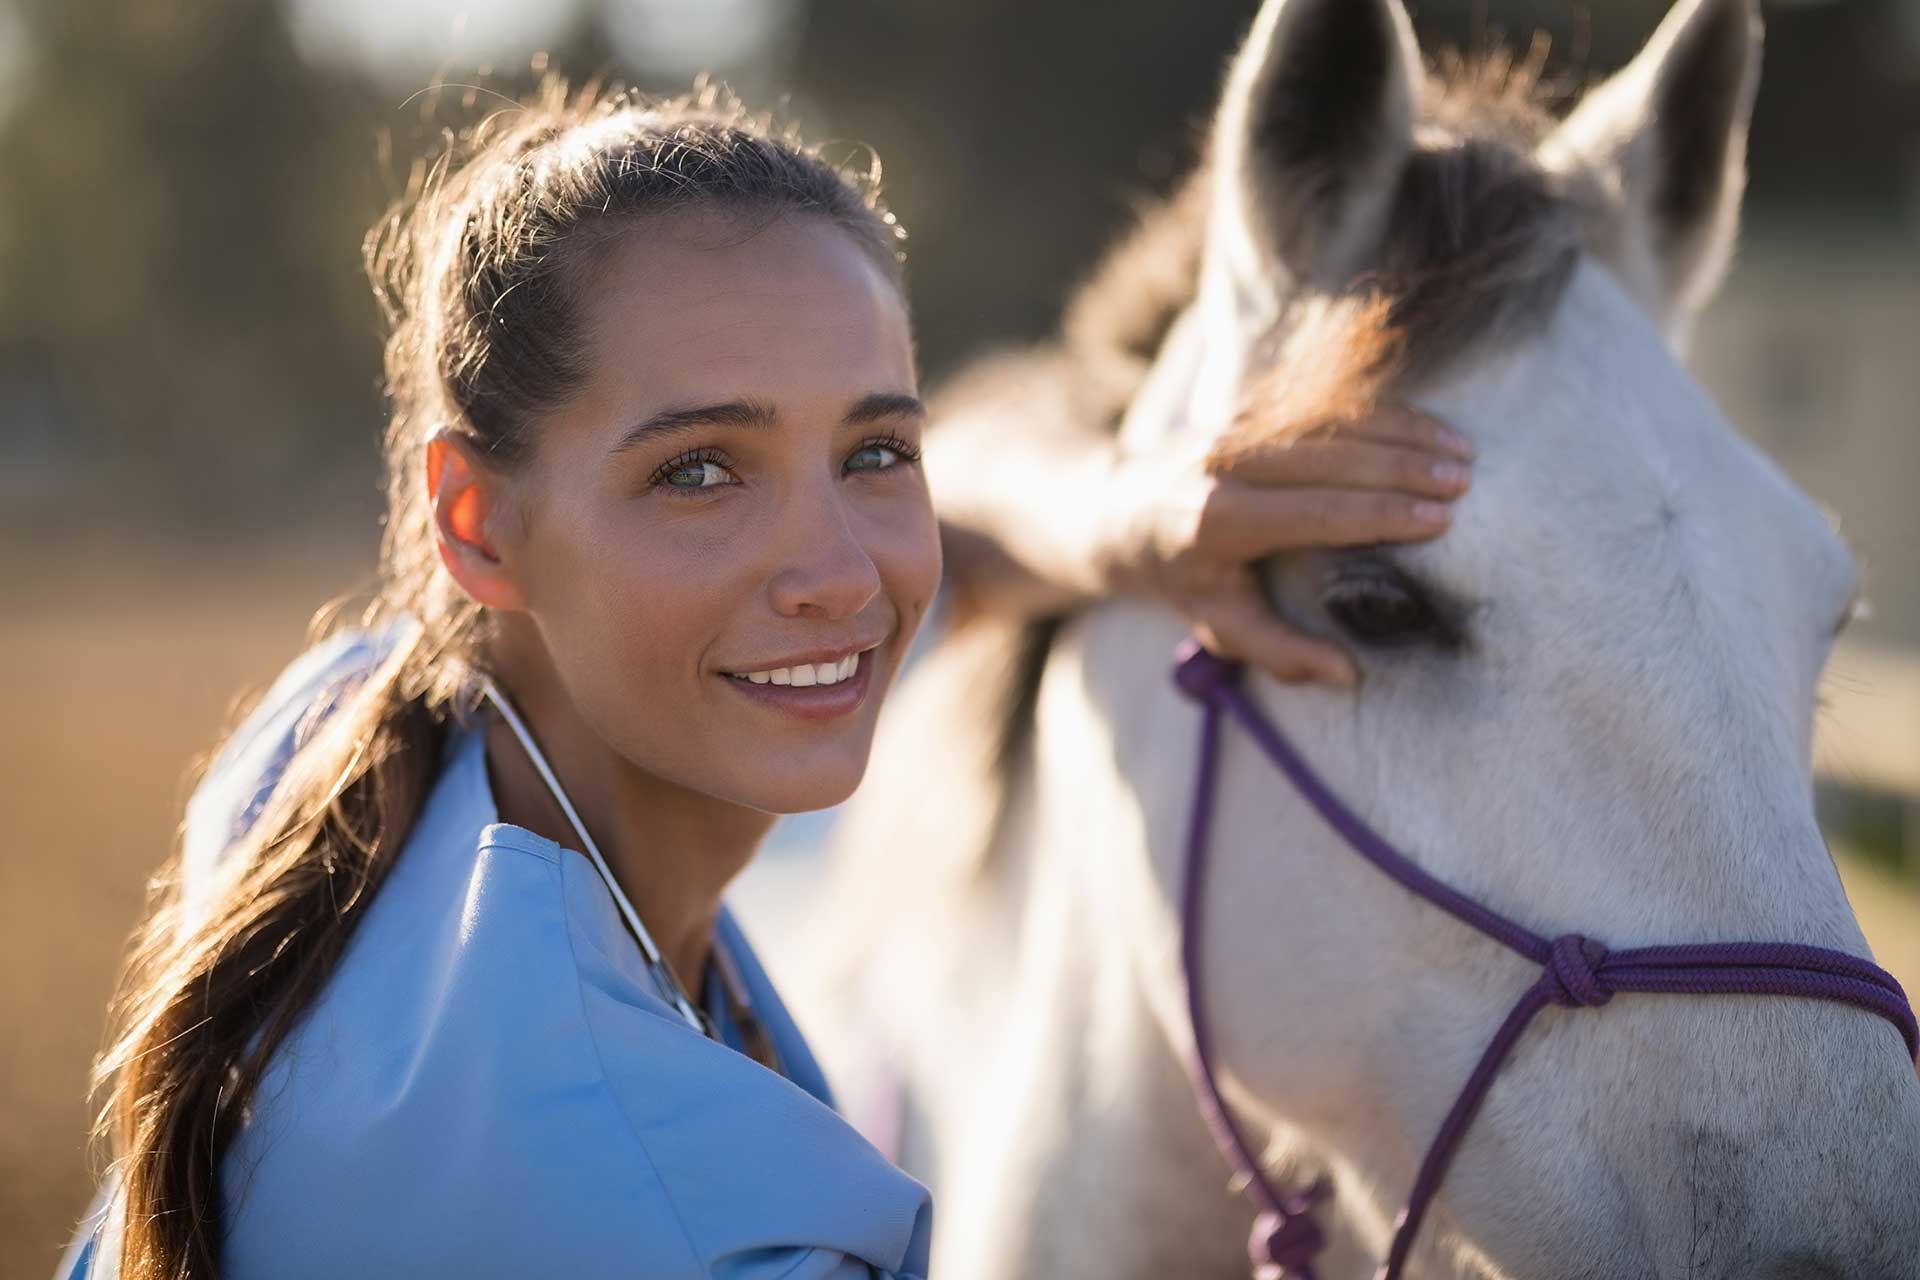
x=1382 y=610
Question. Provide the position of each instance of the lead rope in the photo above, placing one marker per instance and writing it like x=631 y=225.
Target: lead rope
x=663 y=976
x=1576 y=972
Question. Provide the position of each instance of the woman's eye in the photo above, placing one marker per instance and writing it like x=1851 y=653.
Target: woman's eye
x=1381 y=611
x=695 y=475
x=882 y=454
x=873 y=457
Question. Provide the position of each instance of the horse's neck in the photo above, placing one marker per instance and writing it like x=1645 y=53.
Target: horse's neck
x=1092 y=1160
x=1115 y=1145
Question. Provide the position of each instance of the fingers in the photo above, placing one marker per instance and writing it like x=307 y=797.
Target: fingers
x=1400 y=424
x=1345 y=460
x=1238 y=625
x=1243 y=522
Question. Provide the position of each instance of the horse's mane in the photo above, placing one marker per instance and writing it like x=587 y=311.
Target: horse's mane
x=1480 y=243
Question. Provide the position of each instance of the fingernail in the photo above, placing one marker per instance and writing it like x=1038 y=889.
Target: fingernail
x=1451 y=474
x=1431 y=512
x=1451 y=439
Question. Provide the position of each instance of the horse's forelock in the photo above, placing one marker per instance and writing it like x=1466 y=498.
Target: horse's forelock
x=1354 y=353
x=1480 y=243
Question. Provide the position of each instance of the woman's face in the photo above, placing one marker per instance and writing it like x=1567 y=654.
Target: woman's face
x=725 y=541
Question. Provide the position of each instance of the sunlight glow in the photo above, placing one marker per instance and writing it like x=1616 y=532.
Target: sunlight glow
x=684 y=36
x=402 y=40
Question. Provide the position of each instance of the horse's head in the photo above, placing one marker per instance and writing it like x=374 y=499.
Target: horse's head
x=1589 y=704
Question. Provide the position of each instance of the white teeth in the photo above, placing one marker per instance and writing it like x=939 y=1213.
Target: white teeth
x=806 y=674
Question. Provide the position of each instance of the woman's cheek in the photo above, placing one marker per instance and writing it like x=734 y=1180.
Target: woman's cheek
x=665 y=605
x=909 y=559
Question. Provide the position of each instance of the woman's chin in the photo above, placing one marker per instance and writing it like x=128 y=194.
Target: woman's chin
x=809 y=796
x=804 y=790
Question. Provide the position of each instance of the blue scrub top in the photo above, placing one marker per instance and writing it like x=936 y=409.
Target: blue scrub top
x=489 y=1085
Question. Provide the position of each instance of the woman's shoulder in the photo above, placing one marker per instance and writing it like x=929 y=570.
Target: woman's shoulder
x=747 y=1136
x=488 y=1084
x=243 y=772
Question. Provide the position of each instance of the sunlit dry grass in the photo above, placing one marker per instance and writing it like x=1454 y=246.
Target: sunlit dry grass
x=117 y=672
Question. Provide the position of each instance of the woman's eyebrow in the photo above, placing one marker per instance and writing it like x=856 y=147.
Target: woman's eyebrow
x=753 y=413
x=884 y=404
x=673 y=422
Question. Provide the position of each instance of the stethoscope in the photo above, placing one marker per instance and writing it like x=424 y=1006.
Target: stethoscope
x=663 y=976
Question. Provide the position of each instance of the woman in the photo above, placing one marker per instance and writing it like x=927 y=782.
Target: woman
x=444 y=984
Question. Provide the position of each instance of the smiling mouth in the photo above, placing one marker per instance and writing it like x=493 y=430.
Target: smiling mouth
x=804 y=674
x=813 y=691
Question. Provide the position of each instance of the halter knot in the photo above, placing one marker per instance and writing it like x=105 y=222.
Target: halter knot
x=1570 y=976
x=1199 y=672
x=1284 y=1247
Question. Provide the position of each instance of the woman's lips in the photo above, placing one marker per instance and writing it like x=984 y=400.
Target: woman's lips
x=816 y=701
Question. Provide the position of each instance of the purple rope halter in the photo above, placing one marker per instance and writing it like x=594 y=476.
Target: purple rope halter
x=1576 y=972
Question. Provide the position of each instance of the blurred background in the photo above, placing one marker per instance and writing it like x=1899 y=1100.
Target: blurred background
x=188 y=358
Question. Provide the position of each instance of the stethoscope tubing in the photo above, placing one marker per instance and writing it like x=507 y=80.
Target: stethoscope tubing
x=663 y=974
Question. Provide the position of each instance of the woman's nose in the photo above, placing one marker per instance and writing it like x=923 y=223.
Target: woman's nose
x=824 y=570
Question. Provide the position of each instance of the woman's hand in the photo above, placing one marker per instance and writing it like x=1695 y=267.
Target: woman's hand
x=1188 y=529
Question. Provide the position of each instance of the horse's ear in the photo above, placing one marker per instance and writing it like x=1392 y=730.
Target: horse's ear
x=1313 y=130
x=1667 y=139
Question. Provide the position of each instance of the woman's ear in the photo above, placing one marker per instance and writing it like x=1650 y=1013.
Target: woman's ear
x=465 y=498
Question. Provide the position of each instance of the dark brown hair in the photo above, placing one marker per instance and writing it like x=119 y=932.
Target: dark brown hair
x=477 y=273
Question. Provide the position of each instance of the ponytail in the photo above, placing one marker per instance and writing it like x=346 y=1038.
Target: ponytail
x=202 y=1004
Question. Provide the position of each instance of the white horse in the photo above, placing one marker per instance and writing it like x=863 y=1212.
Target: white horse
x=1588 y=705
